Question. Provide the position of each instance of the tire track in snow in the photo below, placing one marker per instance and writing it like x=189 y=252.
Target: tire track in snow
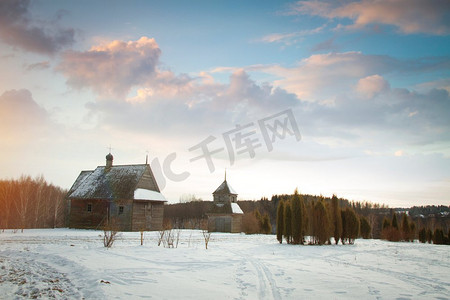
x=267 y=287
x=422 y=282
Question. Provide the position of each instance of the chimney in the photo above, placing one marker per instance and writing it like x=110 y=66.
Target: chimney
x=109 y=161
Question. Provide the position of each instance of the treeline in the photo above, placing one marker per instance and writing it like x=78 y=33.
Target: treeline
x=429 y=211
x=426 y=235
x=187 y=215
x=375 y=220
x=31 y=203
x=316 y=222
x=258 y=215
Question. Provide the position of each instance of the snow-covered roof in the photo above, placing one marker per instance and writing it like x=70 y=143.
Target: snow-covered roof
x=236 y=209
x=144 y=194
x=117 y=182
x=225 y=188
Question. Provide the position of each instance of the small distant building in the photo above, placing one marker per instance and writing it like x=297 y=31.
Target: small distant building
x=127 y=195
x=225 y=214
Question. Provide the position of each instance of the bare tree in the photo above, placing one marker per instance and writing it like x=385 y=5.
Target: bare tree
x=23 y=201
x=6 y=192
x=40 y=188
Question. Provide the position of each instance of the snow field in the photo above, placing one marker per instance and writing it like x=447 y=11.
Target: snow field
x=73 y=264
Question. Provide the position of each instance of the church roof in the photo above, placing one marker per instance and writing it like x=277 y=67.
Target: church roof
x=225 y=188
x=225 y=208
x=116 y=182
x=236 y=209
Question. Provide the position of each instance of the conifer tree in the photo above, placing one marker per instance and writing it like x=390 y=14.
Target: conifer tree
x=336 y=217
x=394 y=222
x=386 y=223
x=365 y=227
x=438 y=236
x=344 y=226
x=423 y=235
x=322 y=228
x=304 y=219
x=287 y=222
x=350 y=225
x=297 y=218
x=353 y=225
x=405 y=228
x=412 y=228
x=266 y=226
x=260 y=220
x=280 y=221
x=429 y=235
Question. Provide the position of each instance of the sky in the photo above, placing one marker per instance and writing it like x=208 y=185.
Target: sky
x=331 y=97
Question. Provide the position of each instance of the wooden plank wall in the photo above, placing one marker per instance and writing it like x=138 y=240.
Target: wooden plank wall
x=147 y=216
x=81 y=218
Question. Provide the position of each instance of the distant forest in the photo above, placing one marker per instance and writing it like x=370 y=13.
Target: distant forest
x=33 y=203
x=189 y=214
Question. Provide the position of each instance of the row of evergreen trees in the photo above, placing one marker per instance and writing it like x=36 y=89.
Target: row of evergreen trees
x=426 y=235
x=394 y=232
x=319 y=220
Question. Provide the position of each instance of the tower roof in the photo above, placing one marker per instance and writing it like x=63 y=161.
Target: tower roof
x=225 y=188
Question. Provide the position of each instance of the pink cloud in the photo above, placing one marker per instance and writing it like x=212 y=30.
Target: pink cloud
x=371 y=86
x=292 y=37
x=409 y=16
x=20 y=116
x=321 y=76
x=111 y=70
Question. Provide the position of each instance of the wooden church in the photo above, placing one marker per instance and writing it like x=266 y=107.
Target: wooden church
x=127 y=195
x=225 y=214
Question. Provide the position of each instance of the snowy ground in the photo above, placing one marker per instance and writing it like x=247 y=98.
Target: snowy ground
x=73 y=264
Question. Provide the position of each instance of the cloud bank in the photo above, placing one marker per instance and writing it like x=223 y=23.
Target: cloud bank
x=344 y=98
x=409 y=16
x=20 y=30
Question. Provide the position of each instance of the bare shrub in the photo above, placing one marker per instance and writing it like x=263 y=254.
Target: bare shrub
x=177 y=237
x=169 y=238
x=206 y=236
x=110 y=233
x=250 y=224
x=161 y=237
x=206 y=233
x=172 y=238
x=391 y=234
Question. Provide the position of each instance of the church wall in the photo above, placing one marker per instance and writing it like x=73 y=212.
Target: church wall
x=80 y=217
x=121 y=216
x=225 y=223
x=147 y=215
x=236 y=225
